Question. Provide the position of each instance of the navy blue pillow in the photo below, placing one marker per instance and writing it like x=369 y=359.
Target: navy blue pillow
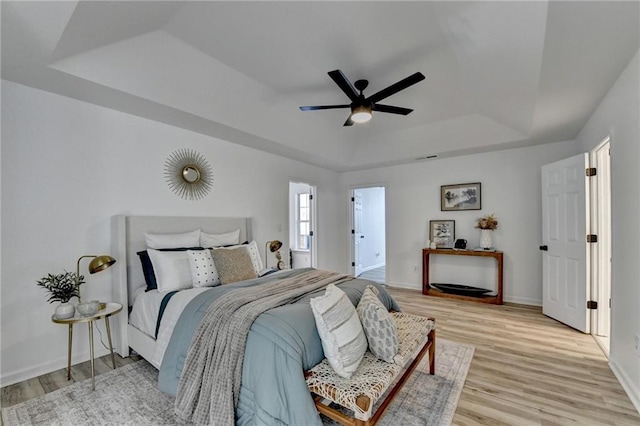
x=147 y=266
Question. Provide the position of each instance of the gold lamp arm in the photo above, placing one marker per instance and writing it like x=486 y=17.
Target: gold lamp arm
x=78 y=273
x=100 y=263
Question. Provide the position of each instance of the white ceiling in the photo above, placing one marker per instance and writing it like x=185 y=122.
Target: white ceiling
x=499 y=74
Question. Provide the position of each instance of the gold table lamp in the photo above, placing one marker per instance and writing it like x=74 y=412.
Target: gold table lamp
x=274 y=247
x=99 y=263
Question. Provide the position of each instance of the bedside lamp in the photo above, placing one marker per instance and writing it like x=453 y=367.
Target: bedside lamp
x=274 y=247
x=99 y=263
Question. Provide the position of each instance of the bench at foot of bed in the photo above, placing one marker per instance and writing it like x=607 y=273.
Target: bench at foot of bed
x=360 y=393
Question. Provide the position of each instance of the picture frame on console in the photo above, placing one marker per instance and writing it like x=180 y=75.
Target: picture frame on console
x=462 y=196
x=442 y=232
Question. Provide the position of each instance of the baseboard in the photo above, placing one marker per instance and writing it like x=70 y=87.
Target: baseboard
x=369 y=268
x=49 y=366
x=523 y=301
x=408 y=286
x=629 y=387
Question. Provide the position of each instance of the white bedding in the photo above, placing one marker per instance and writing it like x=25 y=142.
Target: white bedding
x=144 y=316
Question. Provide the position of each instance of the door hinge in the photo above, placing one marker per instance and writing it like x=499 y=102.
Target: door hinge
x=353 y=231
x=353 y=199
x=311 y=233
x=591 y=171
x=609 y=303
x=592 y=238
x=592 y=304
x=353 y=264
x=311 y=196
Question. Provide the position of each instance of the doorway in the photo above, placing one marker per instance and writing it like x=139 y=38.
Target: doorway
x=302 y=213
x=368 y=233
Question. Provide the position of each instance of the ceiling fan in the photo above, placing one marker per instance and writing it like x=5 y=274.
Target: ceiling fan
x=361 y=107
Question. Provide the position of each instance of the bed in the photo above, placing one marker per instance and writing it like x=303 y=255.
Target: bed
x=282 y=343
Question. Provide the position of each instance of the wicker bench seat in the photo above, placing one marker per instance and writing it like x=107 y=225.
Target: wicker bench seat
x=359 y=394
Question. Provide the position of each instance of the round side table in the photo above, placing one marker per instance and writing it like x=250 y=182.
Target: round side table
x=109 y=310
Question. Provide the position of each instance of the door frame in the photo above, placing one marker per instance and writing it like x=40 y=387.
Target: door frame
x=600 y=207
x=351 y=236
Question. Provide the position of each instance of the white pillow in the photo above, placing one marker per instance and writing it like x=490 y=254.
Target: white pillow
x=343 y=339
x=203 y=270
x=217 y=240
x=183 y=239
x=171 y=269
x=254 y=253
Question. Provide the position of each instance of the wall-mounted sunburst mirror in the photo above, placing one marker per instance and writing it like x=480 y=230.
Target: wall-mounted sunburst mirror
x=188 y=174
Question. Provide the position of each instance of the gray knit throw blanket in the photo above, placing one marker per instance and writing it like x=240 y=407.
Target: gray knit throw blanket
x=210 y=383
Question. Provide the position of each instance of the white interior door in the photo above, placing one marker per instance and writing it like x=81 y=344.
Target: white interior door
x=565 y=213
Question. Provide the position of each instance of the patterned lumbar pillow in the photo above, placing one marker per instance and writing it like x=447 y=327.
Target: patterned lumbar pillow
x=343 y=339
x=203 y=270
x=378 y=324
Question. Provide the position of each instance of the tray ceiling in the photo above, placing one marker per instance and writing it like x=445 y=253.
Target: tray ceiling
x=499 y=74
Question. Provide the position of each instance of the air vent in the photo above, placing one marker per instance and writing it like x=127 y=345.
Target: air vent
x=427 y=157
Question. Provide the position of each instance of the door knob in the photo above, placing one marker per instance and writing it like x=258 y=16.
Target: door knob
x=361 y=236
x=544 y=248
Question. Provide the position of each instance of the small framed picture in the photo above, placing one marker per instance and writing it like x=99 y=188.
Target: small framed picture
x=462 y=196
x=442 y=232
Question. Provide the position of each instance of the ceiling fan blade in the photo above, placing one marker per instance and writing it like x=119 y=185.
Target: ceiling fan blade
x=349 y=121
x=346 y=86
x=396 y=87
x=317 y=107
x=391 y=109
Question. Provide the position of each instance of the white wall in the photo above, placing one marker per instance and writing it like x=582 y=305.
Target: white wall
x=68 y=166
x=618 y=115
x=510 y=189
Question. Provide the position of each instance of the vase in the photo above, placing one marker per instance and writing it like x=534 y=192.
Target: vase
x=485 y=238
x=65 y=310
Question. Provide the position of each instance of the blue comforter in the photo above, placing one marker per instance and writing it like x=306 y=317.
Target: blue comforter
x=282 y=343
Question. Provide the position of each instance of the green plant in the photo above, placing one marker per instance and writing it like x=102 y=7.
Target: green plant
x=62 y=287
x=487 y=222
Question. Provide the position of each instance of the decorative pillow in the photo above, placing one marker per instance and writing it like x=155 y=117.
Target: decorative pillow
x=147 y=266
x=233 y=264
x=203 y=270
x=343 y=339
x=218 y=240
x=254 y=253
x=184 y=239
x=379 y=325
x=171 y=269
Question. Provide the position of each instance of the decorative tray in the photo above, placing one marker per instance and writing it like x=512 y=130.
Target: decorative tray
x=465 y=290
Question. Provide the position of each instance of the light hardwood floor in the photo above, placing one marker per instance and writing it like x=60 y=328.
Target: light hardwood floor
x=527 y=369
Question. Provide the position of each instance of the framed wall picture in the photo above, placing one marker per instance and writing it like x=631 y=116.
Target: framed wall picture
x=442 y=232
x=463 y=196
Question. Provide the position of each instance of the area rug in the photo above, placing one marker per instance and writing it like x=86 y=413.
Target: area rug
x=129 y=396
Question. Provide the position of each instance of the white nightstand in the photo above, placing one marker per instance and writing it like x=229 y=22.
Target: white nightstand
x=109 y=310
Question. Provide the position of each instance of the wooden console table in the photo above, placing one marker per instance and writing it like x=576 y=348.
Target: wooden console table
x=426 y=288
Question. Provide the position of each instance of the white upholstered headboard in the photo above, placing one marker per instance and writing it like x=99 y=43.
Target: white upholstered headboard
x=128 y=238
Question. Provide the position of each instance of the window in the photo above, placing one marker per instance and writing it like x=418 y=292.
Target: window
x=303 y=221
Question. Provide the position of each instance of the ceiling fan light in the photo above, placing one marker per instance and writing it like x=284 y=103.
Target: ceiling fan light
x=361 y=114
